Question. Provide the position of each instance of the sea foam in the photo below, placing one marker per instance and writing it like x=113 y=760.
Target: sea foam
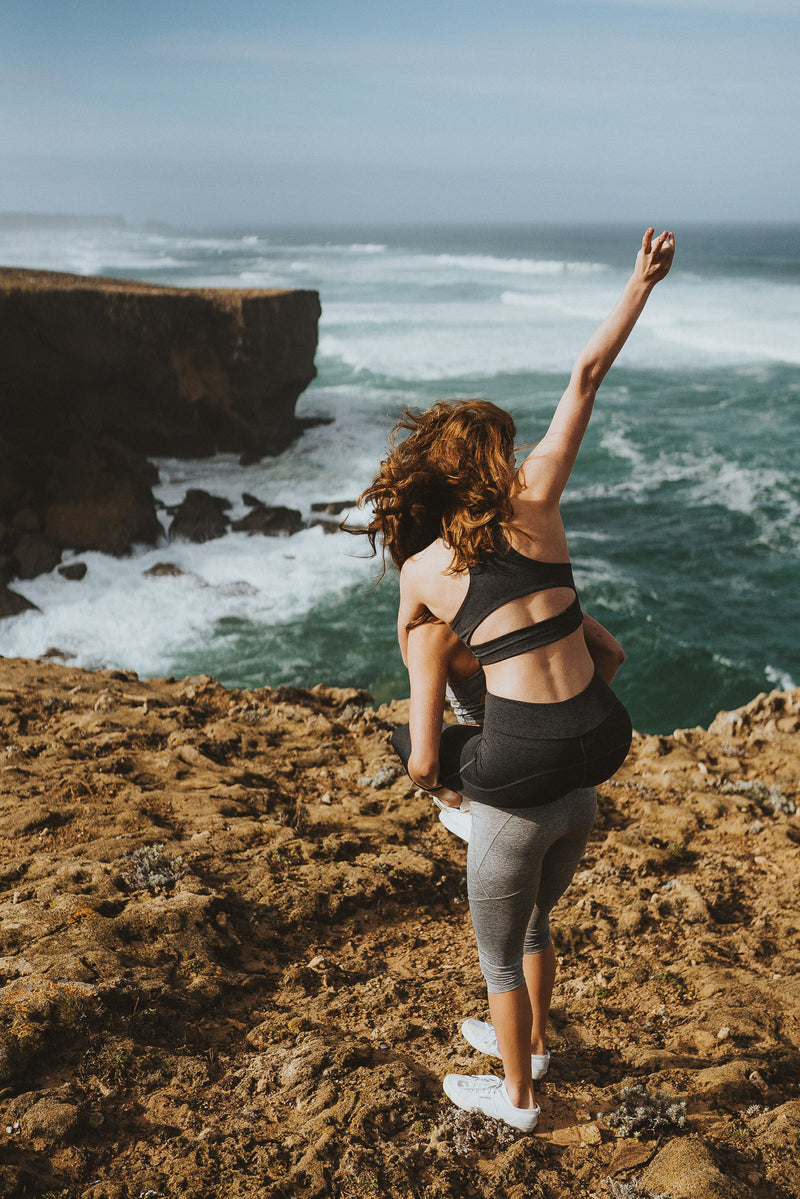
x=121 y=616
x=683 y=512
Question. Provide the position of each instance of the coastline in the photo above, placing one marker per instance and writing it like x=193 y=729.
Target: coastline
x=266 y=1003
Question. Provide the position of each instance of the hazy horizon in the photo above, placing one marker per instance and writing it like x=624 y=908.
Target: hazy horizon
x=278 y=112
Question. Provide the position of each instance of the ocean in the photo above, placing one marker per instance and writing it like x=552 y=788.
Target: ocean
x=683 y=511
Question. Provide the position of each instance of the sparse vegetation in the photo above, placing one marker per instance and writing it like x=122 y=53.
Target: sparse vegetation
x=643 y=1114
x=152 y=870
x=279 y=1021
x=679 y=853
x=114 y=1063
x=769 y=797
x=630 y=1190
x=465 y=1133
x=666 y=978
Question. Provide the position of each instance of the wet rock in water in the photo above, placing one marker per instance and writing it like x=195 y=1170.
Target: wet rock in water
x=12 y=603
x=54 y=654
x=328 y=515
x=200 y=517
x=27 y=521
x=100 y=372
x=333 y=507
x=271 y=522
x=100 y=499
x=35 y=555
x=165 y=570
x=23 y=480
x=74 y=571
x=164 y=370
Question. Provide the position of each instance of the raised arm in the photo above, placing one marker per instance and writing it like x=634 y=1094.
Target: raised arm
x=547 y=468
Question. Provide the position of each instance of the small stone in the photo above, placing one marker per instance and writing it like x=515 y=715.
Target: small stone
x=199 y=517
x=165 y=570
x=723 y=1033
x=54 y=654
x=74 y=571
x=272 y=522
x=51 y=1120
x=333 y=507
x=209 y=1134
x=590 y=1134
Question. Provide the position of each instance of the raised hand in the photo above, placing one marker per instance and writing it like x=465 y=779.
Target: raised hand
x=655 y=257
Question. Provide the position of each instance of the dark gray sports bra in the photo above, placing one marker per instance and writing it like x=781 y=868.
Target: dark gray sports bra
x=509 y=575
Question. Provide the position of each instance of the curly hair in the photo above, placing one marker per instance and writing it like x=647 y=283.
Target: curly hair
x=449 y=478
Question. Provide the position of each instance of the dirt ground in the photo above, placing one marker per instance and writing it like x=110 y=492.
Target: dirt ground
x=236 y=953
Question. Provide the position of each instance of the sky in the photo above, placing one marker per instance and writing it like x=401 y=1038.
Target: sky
x=276 y=111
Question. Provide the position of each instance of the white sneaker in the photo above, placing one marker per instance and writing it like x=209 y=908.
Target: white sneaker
x=446 y=807
x=481 y=1036
x=487 y=1094
x=457 y=821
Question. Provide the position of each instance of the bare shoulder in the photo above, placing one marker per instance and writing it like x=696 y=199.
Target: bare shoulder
x=539 y=520
x=426 y=583
x=435 y=558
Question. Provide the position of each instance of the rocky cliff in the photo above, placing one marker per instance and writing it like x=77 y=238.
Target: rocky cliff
x=235 y=954
x=98 y=373
x=163 y=370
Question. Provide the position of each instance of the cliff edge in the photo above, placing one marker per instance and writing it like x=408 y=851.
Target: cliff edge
x=98 y=373
x=162 y=370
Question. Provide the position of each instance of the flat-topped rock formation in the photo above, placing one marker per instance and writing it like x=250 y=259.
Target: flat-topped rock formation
x=162 y=370
x=99 y=373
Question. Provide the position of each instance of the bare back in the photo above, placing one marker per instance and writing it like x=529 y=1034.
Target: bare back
x=547 y=674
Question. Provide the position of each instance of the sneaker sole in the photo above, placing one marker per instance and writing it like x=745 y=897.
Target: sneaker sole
x=522 y=1121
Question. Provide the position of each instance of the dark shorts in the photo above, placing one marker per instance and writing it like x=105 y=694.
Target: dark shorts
x=530 y=754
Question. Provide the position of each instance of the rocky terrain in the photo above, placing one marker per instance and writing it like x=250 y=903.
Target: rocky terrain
x=236 y=954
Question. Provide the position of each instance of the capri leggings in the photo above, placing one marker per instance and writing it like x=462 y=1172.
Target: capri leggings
x=519 y=864
x=529 y=774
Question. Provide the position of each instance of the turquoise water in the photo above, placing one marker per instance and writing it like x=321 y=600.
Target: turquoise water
x=683 y=510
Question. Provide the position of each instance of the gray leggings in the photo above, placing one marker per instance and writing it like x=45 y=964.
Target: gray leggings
x=519 y=864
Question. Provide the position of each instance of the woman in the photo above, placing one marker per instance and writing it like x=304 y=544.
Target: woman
x=439 y=664
x=485 y=582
